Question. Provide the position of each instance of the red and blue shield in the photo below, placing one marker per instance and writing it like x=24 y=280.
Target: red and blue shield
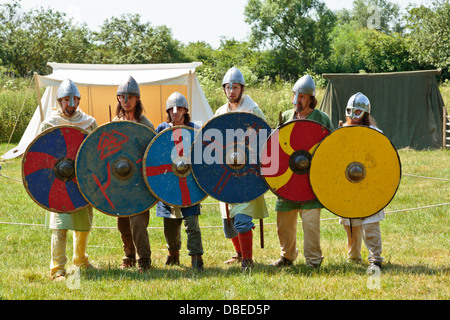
x=48 y=169
x=168 y=168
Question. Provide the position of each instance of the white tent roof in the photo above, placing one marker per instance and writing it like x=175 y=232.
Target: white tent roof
x=113 y=75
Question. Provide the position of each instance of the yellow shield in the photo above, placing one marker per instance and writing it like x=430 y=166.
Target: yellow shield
x=355 y=172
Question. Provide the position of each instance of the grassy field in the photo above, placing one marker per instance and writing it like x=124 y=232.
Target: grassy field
x=416 y=248
x=415 y=234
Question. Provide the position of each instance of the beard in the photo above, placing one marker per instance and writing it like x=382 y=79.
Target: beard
x=299 y=107
x=236 y=99
x=69 y=112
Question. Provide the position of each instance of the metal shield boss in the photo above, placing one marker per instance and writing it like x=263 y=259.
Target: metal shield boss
x=167 y=170
x=226 y=157
x=286 y=159
x=109 y=168
x=48 y=169
x=355 y=172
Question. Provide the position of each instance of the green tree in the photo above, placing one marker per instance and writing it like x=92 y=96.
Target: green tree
x=127 y=40
x=295 y=31
x=429 y=36
x=382 y=15
x=31 y=39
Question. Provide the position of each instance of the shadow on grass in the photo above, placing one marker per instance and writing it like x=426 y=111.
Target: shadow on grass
x=186 y=272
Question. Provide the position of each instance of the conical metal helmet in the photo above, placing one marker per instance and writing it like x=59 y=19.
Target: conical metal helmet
x=175 y=100
x=233 y=75
x=68 y=88
x=304 y=85
x=129 y=87
x=358 y=101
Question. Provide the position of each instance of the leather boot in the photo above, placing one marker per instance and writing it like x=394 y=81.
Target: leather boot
x=173 y=258
x=197 y=262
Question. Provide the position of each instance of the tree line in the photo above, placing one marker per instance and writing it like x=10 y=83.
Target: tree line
x=288 y=38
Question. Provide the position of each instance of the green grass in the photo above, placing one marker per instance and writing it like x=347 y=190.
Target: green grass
x=415 y=247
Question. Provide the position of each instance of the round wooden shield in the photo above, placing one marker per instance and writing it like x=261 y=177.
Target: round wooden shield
x=225 y=157
x=109 y=168
x=48 y=169
x=355 y=172
x=168 y=172
x=286 y=159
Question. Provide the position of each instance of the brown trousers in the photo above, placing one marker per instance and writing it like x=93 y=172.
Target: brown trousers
x=136 y=245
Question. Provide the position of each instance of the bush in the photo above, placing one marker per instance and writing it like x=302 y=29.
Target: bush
x=18 y=102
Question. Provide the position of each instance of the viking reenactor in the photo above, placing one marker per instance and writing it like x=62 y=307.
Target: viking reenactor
x=304 y=102
x=237 y=218
x=178 y=115
x=368 y=229
x=79 y=221
x=133 y=229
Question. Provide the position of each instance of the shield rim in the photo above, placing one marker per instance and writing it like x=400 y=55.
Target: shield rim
x=24 y=182
x=76 y=171
x=396 y=189
x=201 y=130
x=145 y=163
x=312 y=155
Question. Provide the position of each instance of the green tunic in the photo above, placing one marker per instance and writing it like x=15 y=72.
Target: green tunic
x=322 y=118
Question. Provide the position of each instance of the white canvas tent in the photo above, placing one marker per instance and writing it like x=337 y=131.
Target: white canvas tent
x=98 y=86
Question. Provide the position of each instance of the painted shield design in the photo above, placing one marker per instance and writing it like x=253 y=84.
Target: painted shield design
x=48 y=169
x=355 y=172
x=226 y=157
x=168 y=168
x=109 y=168
x=286 y=159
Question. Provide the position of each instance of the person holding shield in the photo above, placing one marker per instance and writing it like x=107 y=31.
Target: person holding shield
x=79 y=221
x=133 y=229
x=304 y=101
x=237 y=218
x=178 y=115
x=368 y=229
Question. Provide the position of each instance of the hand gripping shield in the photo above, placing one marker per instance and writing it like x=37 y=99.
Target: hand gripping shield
x=226 y=157
x=355 y=172
x=286 y=159
x=109 y=168
x=167 y=171
x=48 y=169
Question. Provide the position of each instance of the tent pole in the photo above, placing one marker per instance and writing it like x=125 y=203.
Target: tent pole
x=38 y=92
x=190 y=91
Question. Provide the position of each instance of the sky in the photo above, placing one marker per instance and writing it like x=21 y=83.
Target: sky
x=190 y=21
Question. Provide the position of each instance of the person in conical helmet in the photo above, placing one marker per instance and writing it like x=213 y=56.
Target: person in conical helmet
x=80 y=221
x=68 y=97
x=239 y=230
x=178 y=115
x=177 y=110
x=304 y=102
x=133 y=229
x=130 y=106
x=368 y=229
